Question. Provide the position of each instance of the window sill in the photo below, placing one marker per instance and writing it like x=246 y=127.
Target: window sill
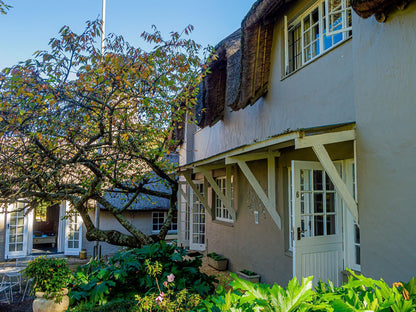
x=226 y=223
x=315 y=59
x=170 y=232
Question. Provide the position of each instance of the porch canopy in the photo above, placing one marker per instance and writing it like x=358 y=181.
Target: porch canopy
x=315 y=138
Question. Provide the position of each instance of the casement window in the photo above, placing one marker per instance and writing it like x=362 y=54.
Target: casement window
x=159 y=218
x=320 y=28
x=221 y=213
x=352 y=228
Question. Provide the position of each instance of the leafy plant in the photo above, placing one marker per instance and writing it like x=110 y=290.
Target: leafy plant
x=216 y=256
x=50 y=275
x=260 y=297
x=248 y=273
x=127 y=274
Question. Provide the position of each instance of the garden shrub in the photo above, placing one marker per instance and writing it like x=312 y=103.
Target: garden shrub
x=359 y=294
x=125 y=275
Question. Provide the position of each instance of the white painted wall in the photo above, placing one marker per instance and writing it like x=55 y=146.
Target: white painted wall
x=321 y=93
x=384 y=80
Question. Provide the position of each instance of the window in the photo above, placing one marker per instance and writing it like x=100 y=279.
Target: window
x=320 y=28
x=291 y=209
x=221 y=213
x=356 y=261
x=159 y=218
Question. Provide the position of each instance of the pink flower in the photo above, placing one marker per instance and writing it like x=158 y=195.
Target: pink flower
x=165 y=284
x=159 y=298
x=171 y=278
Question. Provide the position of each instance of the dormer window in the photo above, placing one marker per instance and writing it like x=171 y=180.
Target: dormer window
x=320 y=28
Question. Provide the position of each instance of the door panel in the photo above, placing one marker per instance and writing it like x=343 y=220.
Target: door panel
x=197 y=224
x=16 y=231
x=317 y=224
x=73 y=232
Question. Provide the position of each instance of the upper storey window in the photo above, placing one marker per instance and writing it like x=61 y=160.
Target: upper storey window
x=321 y=27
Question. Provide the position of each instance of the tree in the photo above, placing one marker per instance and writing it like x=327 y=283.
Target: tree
x=4 y=7
x=76 y=126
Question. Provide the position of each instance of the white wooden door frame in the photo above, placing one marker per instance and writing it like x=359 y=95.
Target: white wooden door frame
x=26 y=232
x=68 y=250
x=196 y=246
x=314 y=251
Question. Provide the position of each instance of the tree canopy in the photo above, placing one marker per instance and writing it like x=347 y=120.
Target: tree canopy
x=76 y=125
x=4 y=7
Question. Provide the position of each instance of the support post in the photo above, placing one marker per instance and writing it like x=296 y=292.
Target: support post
x=333 y=174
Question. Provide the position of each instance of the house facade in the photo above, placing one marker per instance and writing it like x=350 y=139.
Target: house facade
x=301 y=162
x=56 y=229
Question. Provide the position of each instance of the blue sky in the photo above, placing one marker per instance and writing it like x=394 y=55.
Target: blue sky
x=31 y=23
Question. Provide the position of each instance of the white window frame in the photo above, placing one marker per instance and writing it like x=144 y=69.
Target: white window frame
x=165 y=214
x=344 y=9
x=350 y=243
x=323 y=25
x=220 y=211
x=291 y=209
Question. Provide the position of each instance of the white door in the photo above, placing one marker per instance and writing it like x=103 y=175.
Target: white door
x=197 y=220
x=16 y=231
x=73 y=232
x=318 y=238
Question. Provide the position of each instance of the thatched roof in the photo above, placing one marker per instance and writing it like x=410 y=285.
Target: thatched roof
x=240 y=74
x=220 y=88
x=380 y=8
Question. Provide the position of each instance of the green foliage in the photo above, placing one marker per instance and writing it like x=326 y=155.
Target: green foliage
x=50 y=276
x=260 y=297
x=359 y=294
x=140 y=272
x=216 y=256
x=4 y=7
x=248 y=273
x=81 y=126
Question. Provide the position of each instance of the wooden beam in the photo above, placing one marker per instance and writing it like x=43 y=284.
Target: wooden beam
x=270 y=206
x=333 y=174
x=251 y=157
x=207 y=167
x=283 y=140
x=226 y=201
x=203 y=199
x=326 y=138
x=271 y=179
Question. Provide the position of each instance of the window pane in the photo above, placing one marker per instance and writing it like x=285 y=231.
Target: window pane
x=357 y=255
x=306 y=226
x=318 y=203
x=329 y=184
x=330 y=202
x=330 y=225
x=317 y=180
x=319 y=225
x=357 y=234
x=306 y=203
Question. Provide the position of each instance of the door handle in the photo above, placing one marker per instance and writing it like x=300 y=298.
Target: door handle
x=300 y=233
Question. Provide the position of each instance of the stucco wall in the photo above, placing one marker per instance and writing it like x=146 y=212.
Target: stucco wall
x=142 y=220
x=262 y=247
x=384 y=77
x=320 y=93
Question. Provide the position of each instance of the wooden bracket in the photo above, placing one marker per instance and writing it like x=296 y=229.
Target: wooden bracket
x=269 y=200
x=203 y=199
x=333 y=174
x=226 y=199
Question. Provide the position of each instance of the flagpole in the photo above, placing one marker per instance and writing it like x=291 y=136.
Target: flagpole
x=103 y=29
x=97 y=247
